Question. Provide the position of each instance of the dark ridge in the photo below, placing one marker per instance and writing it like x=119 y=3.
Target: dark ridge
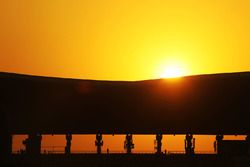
x=201 y=104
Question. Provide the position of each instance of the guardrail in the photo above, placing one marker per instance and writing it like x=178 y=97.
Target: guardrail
x=60 y=150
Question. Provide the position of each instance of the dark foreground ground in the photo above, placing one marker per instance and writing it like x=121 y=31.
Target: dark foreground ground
x=202 y=104
x=122 y=160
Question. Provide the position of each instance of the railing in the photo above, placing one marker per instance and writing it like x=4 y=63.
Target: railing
x=205 y=152
x=60 y=150
x=53 y=150
x=175 y=152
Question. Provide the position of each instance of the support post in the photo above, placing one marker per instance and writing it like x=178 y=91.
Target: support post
x=5 y=137
x=33 y=144
x=5 y=146
x=158 y=143
x=218 y=144
x=128 y=144
x=248 y=143
x=99 y=143
x=189 y=144
x=68 y=144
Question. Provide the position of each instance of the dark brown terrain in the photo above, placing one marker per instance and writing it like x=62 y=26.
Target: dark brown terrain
x=217 y=104
x=203 y=104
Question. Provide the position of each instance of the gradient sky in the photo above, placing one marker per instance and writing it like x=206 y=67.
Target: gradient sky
x=123 y=39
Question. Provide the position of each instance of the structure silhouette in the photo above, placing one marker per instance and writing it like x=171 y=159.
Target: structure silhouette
x=215 y=104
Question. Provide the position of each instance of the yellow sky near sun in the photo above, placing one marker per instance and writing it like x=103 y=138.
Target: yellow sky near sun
x=124 y=39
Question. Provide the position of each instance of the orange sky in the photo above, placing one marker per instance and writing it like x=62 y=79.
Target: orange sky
x=125 y=39
x=143 y=143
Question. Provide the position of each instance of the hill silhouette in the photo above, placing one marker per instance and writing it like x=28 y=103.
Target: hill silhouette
x=202 y=104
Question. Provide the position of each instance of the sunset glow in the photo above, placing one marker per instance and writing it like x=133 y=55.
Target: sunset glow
x=173 y=72
x=124 y=40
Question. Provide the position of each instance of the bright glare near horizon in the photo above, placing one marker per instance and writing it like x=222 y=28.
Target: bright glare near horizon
x=173 y=71
x=172 y=68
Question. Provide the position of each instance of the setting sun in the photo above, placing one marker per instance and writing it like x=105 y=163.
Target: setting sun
x=173 y=72
x=172 y=68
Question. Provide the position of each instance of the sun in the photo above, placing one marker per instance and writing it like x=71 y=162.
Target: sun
x=173 y=71
x=172 y=68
